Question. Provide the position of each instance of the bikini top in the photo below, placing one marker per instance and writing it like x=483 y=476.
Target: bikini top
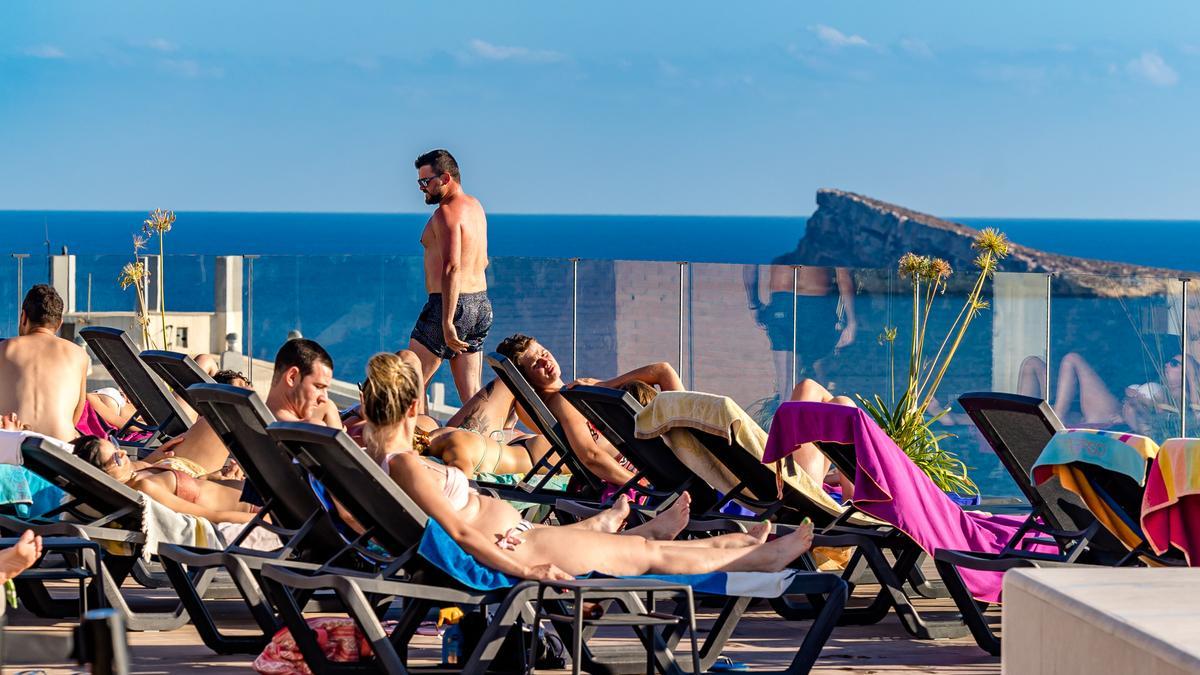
x=455 y=488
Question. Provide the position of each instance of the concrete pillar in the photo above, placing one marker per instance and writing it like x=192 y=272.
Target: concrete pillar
x=1018 y=325
x=62 y=278
x=227 y=304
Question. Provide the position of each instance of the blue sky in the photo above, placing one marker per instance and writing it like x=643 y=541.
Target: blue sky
x=1063 y=109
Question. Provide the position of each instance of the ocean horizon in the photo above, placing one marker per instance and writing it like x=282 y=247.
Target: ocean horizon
x=1172 y=244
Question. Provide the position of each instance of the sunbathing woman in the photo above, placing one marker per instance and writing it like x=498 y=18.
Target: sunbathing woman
x=174 y=482
x=493 y=532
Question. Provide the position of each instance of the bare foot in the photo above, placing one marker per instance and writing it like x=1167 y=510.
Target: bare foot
x=613 y=519
x=668 y=524
x=791 y=546
x=20 y=556
x=759 y=531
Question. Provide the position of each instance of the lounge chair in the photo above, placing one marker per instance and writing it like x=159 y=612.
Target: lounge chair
x=614 y=413
x=1018 y=428
x=589 y=486
x=99 y=509
x=367 y=492
x=179 y=371
x=157 y=411
x=839 y=528
x=296 y=514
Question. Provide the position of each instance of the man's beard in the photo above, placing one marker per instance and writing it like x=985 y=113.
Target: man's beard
x=433 y=198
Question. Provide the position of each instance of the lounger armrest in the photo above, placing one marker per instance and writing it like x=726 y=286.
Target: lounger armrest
x=992 y=562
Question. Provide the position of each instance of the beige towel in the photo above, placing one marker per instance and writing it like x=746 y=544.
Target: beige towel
x=672 y=413
x=161 y=525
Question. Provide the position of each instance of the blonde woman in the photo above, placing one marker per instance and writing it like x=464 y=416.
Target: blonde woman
x=493 y=532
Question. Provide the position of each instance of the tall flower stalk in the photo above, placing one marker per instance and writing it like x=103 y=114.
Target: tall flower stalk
x=905 y=420
x=159 y=223
x=134 y=274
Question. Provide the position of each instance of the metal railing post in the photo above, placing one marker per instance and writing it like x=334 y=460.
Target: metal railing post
x=574 y=317
x=1185 y=372
x=20 y=282
x=682 y=270
x=795 y=324
x=1046 y=394
x=250 y=317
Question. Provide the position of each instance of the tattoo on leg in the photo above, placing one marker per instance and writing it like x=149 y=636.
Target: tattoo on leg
x=477 y=422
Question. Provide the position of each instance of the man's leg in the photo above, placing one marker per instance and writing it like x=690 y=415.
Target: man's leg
x=429 y=363
x=467 y=370
x=783 y=373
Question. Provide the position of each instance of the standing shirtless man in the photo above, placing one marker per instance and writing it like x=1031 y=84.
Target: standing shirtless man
x=458 y=315
x=43 y=378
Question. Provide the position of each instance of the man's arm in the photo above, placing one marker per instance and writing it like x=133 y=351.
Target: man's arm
x=845 y=283
x=662 y=374
x=449 y=236
x=585 y=446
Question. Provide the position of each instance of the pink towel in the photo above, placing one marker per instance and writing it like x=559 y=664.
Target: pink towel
x=91 y=423
x=891 y=488
x=1171 y=504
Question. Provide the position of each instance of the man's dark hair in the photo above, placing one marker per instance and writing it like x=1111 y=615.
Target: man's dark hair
x=228 y=376
x=87 y=448
x=43 y=307
x=513 y=346
x=301 y=353
x=441 y=161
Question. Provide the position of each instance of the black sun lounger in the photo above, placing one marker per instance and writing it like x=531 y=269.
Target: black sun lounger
x=396 y=524
x=1018 y=429
x=870 y=542
x=179 y=371
x=590 y=486
x=99 y=508
x=157 y=411
x=240 y=419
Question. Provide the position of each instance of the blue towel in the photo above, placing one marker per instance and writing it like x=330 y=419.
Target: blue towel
x=444 y=553
x=28 y=493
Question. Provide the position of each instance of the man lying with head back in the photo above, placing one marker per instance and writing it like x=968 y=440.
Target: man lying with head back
x=303 y=372
x=541 y=369
x=43 y=378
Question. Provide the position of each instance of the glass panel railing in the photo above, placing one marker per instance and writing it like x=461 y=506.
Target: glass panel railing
x=628 y=316
x=1112 y=342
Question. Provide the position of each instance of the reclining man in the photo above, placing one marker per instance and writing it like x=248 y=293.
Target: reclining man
x=544 y=375
x=43 y=378
x=303 y=372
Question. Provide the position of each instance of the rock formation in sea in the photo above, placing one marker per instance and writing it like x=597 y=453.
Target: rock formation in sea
x=852 y=230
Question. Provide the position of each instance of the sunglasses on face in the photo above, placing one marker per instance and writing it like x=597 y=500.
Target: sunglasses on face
x=424 y=182
x=1177 y=362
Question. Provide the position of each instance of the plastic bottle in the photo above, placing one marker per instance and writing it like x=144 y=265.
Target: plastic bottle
x=452 y=643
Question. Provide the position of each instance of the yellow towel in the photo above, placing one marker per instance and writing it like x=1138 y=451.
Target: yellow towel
x=673 y=413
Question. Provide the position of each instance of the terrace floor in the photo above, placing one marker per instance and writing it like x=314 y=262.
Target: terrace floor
x=762 y=640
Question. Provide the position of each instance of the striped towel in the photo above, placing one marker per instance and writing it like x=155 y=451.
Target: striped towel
x=1171 y=505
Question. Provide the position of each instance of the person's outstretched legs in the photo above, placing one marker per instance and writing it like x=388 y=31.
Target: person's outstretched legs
x=1076 y=377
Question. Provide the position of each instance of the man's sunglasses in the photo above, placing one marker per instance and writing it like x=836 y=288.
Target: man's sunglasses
x=424 y=182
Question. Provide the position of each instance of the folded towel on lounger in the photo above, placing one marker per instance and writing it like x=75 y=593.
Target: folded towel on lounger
x=1171 y=505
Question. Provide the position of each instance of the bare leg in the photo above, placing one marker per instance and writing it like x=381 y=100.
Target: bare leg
x=1076 y=377
x=669 y=523
x=1031 y=380
x=578 y=551
x=209 y=363
x=429 y=364
x=487 y=411
x=20 y=556
x=468 y=374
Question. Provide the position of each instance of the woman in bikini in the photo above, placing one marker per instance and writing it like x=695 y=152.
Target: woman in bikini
x=174 y=482
x=493 y=532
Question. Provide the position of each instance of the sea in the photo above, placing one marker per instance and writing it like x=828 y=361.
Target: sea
x=1172 y=244
x=353 y=280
